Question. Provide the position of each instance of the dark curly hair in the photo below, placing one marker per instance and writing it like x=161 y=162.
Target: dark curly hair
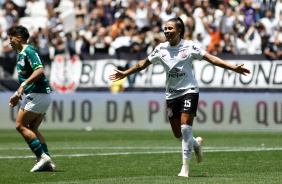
x=19 y=31
x=179 y=24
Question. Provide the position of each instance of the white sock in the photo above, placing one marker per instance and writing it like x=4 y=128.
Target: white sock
x=187 y=143
x=196 y=144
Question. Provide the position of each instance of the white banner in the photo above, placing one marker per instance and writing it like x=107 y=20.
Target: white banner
x=264 y=74
x=147 y=111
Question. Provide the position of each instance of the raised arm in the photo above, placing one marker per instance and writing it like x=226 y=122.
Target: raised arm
x=223 y=64
x=138 y=67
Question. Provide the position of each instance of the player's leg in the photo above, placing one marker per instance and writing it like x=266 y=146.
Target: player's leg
x=187 y=142
x=34 y=127
x=189 y=104
x=23 y=121
x=176 y=127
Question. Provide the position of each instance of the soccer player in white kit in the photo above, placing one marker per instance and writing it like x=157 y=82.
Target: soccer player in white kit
x=182 y=92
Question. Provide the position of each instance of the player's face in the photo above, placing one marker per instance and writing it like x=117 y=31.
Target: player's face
x=172 y=34
x=15 y=42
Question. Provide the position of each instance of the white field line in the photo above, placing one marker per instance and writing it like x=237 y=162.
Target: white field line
x=122 y=148
x=211 y=149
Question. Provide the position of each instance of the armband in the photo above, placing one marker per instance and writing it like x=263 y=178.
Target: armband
x=138 y=67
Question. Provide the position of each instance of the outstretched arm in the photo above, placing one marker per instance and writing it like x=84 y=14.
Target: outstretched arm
x=223 y=64
x=138 y=67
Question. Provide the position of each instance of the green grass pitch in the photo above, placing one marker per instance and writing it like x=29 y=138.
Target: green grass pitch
x=130 y=157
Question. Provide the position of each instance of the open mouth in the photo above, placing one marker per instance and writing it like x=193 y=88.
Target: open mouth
x=167 y=36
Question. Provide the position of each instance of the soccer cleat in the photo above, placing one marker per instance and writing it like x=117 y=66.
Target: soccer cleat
x=41 y=163
x=50 y=166
x=198 y=150
x=184 y=171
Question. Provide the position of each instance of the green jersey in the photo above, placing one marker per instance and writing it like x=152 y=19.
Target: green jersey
x=28 y=62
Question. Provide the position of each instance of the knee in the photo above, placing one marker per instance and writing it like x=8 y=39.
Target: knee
x=19 y=127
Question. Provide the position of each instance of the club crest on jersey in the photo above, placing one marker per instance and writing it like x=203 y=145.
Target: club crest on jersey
x=169 y=112
x=183 y=53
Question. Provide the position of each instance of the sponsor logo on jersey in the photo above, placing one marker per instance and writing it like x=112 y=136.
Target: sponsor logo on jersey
x=163 y=55
x=196 y=49
x=176 y=90
x=175 y=73
x=21 y=72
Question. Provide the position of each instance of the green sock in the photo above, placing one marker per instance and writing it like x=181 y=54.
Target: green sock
x=35 y=147
x=45 y=149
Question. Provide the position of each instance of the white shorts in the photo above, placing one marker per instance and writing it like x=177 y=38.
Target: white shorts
x=37 y=102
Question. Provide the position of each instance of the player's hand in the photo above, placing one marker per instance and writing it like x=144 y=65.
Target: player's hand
x=117 y=76
x=14 y=100
x=240 y=69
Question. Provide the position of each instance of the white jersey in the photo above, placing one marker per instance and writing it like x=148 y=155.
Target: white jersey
x=177 y=61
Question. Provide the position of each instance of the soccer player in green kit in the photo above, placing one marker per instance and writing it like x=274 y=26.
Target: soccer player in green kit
x=37 y=100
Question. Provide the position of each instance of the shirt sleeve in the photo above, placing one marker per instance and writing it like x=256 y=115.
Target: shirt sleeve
x=154 y=56
x=197 y=52
x=34 y=59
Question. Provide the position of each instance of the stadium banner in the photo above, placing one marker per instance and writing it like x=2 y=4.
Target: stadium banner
x=264 y=74
x=147 y=111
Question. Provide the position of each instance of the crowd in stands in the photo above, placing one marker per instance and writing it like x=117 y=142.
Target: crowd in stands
x=239 y=27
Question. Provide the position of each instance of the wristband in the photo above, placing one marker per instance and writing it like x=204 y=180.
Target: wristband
x=23 y=84
x=17 y=94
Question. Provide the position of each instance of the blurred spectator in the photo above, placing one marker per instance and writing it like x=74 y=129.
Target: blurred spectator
x=33 y=39
x=49 y=7
x=95 y=17
x=141 y=16
x=267 y=48
x=56 y=23
x=200 y=41
x=270 y=24
x=58 y=44
x=122 y=24
x=278 y=9
x=10 y=14
x=266 y=5
x=167 y=14
x=109 y=13
x=249 y=8
x=228 y=21
x=20 y=6
x=70 y=44
x=80 y=14
x=226 y=45
x=43 y=48
x=215 y=37
x=278 y=45
x=117 y=25
x=241 y=44
x=140 y=43
x=9 y=56
x=202 y=22
x=101 y=41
